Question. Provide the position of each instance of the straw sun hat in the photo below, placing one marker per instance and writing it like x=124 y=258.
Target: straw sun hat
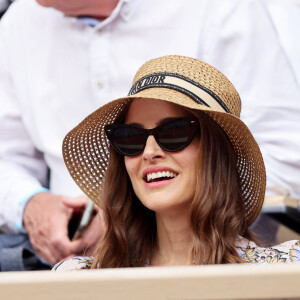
x=181 y=80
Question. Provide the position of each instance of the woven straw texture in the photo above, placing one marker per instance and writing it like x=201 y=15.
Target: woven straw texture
x=85 y=148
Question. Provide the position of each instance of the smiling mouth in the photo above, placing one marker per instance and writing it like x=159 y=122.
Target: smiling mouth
x=159 y=176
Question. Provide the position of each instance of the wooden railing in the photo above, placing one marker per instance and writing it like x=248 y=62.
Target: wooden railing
x=281 y=200
x=280 y=281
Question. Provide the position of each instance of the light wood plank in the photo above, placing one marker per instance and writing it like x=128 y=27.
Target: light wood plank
x=281 y=201
x=281 y=281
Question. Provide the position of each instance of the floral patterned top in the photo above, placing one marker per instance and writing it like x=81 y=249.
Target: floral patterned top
x=287 y=252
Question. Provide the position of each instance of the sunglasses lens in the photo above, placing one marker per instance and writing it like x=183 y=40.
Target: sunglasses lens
x=172 y=136
x=129 y=140
x=175 y=136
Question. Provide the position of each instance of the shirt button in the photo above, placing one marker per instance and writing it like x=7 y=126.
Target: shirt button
x=126 y=11
x=100 y=84
x=100 y=31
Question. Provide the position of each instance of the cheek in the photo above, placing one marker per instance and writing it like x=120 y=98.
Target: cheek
x=190 y=155
x=188 y=161
x=131 y=166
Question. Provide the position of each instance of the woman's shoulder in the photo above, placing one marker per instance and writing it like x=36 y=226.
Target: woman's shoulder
x=288 y=252
x=74 y=263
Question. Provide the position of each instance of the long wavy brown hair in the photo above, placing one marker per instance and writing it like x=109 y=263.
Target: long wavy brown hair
x=217 y=213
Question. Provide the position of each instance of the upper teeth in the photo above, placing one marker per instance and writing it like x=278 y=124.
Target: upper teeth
x=151 y=176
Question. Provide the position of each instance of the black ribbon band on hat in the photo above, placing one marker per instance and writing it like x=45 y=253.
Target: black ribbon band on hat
x=194 y=90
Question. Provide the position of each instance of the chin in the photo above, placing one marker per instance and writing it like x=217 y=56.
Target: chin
x=45 y=3
x=163 y=205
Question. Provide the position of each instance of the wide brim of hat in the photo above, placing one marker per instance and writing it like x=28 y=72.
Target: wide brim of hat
x=86 y=147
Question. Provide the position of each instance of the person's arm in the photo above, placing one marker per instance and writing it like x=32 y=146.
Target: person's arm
x=25 y=204
x=244 y=45
x=23 y=171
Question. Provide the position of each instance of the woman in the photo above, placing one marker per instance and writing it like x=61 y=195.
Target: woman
x=178 y=175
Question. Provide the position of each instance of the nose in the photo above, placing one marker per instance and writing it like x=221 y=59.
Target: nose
x=152 y=150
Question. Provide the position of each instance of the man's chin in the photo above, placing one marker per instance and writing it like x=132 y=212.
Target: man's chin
x=45 y=3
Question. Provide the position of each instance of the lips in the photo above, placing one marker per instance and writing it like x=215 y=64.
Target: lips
x=158 y=174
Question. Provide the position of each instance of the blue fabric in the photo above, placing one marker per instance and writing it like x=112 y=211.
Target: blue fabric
x=17 y=254
x=90 y=21
x=266 y=230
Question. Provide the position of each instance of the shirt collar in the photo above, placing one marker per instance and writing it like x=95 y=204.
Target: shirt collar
x=123 y=8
